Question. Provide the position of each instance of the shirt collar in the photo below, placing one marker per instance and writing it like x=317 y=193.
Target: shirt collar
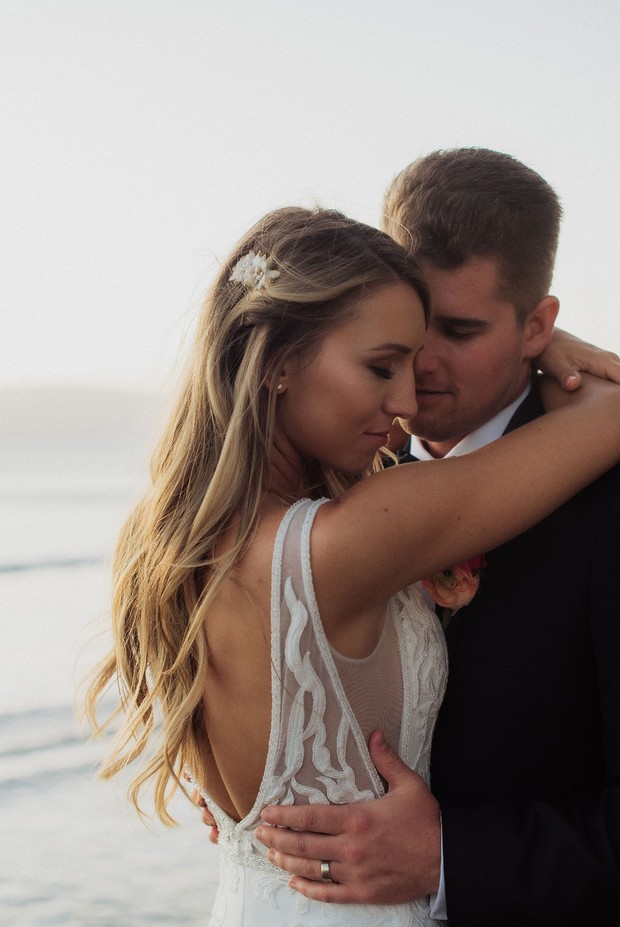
x=488 y=432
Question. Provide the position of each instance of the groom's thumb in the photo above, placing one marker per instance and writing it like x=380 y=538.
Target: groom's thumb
x=388 y=763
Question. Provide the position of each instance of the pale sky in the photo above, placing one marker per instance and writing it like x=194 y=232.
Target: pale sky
x=140 y=138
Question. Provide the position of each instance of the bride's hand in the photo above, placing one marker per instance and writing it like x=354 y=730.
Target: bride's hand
x=593 y=389
x=566 y=357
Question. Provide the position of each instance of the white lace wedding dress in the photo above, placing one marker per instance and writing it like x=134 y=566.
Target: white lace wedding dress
x=324 y=708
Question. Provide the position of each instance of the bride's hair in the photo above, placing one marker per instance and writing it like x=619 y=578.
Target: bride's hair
x=213 y=464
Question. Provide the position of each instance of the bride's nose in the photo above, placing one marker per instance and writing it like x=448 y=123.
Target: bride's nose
x=402 y=402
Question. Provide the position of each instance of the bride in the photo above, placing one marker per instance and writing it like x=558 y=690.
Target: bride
x=264 y=611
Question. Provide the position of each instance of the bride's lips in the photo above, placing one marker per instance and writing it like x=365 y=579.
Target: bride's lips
x=380 y=438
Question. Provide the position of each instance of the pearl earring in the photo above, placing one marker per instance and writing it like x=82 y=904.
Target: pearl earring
x=279 y=388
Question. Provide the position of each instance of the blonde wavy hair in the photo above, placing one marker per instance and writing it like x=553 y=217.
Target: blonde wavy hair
x=213 y=465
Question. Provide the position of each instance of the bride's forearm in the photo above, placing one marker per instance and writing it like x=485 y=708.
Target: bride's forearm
x=434 y=513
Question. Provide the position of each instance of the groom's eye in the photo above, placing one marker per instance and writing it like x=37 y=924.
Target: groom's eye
x=461 y=332
x=461 y=336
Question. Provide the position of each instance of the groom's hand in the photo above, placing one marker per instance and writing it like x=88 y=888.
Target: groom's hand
x=207 y=817
x=380 y=852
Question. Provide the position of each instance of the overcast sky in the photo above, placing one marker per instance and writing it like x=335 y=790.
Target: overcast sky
x=140 y=138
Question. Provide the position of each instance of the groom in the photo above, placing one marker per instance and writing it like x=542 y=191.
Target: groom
x=526 y=756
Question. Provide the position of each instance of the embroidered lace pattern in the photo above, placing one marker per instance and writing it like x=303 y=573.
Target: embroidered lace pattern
x=324 y=707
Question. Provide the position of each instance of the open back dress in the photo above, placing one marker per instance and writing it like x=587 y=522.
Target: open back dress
x=324 y=708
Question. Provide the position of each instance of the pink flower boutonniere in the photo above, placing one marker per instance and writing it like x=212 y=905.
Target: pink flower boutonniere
x=455 y=587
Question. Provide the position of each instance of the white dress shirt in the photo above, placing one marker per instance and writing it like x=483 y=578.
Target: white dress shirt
x=488 y=432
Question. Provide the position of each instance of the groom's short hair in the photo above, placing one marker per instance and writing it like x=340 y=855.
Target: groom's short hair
x=453 y=205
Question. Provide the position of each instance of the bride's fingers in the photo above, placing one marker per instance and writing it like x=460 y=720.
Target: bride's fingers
x=566 y=357
x=586 y=358
x=605 y=365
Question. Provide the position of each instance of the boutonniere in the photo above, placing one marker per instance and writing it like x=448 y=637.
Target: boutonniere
x=455 y=587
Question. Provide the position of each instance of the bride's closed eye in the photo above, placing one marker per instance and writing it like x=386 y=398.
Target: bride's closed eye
x=382 y=372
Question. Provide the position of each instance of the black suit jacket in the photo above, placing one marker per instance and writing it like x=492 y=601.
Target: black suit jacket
x=526 y=755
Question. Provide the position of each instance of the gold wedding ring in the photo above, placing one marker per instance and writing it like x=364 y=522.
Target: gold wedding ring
x=326 y=875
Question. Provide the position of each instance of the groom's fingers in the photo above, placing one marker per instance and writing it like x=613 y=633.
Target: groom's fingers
x=332 y=892
x=308 y=869
x=385 y=851
x=319 y=819
x=301 y=854
x=345 y=886
x=303 y=851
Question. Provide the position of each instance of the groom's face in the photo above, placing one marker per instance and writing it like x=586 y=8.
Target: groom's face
x=473 y=363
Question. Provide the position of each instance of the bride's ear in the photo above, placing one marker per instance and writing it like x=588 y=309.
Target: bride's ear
x=276 y=380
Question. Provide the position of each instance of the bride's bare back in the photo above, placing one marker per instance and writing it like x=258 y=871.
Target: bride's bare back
x=237 y=701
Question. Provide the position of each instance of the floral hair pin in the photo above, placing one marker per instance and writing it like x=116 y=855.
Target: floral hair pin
x=251 y=270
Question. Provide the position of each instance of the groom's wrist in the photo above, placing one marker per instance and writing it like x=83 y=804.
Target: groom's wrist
x=438 y=900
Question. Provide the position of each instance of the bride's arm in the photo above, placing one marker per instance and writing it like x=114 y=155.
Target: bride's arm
x=405 y=523
x=566 y=357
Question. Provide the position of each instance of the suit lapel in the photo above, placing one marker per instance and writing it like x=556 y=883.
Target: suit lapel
x=530 y=408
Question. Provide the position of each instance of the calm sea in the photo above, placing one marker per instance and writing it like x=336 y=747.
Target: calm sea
x=73 y=851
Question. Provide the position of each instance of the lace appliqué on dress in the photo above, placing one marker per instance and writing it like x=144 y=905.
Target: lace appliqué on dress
x=307 y=724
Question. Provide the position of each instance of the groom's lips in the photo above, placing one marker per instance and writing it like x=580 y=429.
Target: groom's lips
x=429 y=395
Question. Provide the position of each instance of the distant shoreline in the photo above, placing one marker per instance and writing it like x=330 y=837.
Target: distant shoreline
x=72 y=411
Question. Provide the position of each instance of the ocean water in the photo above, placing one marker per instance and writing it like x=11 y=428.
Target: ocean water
x=73 y=851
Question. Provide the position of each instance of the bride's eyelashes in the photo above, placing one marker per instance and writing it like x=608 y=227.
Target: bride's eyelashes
x=382 y=372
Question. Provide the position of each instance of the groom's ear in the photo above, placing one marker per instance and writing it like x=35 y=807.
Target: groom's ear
x=538 y=327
